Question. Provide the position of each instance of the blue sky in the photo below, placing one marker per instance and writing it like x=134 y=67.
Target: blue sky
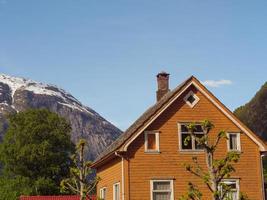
x=107 y=53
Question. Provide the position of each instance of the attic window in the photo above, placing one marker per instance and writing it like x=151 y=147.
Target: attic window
x=233 y=142
x=191 y=99
x=151 y=141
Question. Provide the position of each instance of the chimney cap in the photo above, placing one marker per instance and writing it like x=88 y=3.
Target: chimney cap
x=163 y=73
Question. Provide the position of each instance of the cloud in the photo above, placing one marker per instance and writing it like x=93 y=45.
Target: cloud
x=213 y=83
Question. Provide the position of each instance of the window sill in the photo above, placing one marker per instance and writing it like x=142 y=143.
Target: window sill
x=236 y=151
x=155 y=178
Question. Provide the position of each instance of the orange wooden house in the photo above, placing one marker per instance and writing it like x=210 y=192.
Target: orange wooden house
x=146 y=162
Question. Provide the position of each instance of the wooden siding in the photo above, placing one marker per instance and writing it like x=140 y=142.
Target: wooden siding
x=109 y=174
x=142 y=167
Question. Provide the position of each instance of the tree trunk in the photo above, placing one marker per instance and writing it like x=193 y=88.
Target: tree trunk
x=214 y=185
x=82 y=173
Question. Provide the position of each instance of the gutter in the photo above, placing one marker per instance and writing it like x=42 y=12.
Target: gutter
x=262 y=175
x=122 y=174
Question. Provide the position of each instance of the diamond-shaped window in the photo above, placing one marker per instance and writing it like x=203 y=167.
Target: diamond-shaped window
x=191 y=99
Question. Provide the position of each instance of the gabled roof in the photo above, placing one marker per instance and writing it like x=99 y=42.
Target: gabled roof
x=122 y=143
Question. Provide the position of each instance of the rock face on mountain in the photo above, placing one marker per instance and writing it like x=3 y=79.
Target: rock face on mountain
x=254 y=113
x=18 y=94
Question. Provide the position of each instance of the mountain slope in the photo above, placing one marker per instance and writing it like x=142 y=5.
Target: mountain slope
x=254 y=113
x=18 y=94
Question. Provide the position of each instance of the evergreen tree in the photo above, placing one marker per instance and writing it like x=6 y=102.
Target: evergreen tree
x=37 y=147
x=11 y=189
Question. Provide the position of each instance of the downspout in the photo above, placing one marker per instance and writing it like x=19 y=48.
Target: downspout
x=262 y=176
x=122 y=175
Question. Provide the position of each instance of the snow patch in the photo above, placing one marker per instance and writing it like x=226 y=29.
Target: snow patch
x=42 y=90
x=12 y=82
x=80 y=108
x=16 y=83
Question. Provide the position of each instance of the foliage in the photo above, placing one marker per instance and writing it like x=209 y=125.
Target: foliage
x=37 y=146
x=192 y=194
x=81 y=180
x=12 y=188
x=253 y=114
x=216 y=169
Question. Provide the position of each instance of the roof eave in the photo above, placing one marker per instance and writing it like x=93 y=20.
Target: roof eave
x=103 y=160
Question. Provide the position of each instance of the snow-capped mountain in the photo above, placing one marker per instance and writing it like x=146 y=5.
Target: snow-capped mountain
x=18 y=94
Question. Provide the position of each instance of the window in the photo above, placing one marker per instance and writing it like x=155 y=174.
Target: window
x=229 y=189
x=190 y=144
x=161 y=189
x=116 y=191
x=191 y=99
x=103 y=193
x=151 y=141
x=233 y=142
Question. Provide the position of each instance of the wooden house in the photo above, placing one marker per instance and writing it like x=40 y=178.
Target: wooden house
x=146 y=161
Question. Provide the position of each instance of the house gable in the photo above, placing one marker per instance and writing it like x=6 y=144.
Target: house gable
x=168 y=122
x=128 y=162
x=199 y=87
x=141 y=124
x=168 y=163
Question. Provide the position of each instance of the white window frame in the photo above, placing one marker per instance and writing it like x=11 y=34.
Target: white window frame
x=102 y=191
x=238 y=142
x=157 y=142
x=237 y=181
x=181 y=142
x=166 y=180
x=191 y=93
x=114 y=186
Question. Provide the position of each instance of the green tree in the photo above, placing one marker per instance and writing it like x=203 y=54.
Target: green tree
x=12 y=188
x=216 y=169
x=37 y=146
x=82 y=180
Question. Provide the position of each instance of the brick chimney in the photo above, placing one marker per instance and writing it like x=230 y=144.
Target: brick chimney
x=163 y=84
